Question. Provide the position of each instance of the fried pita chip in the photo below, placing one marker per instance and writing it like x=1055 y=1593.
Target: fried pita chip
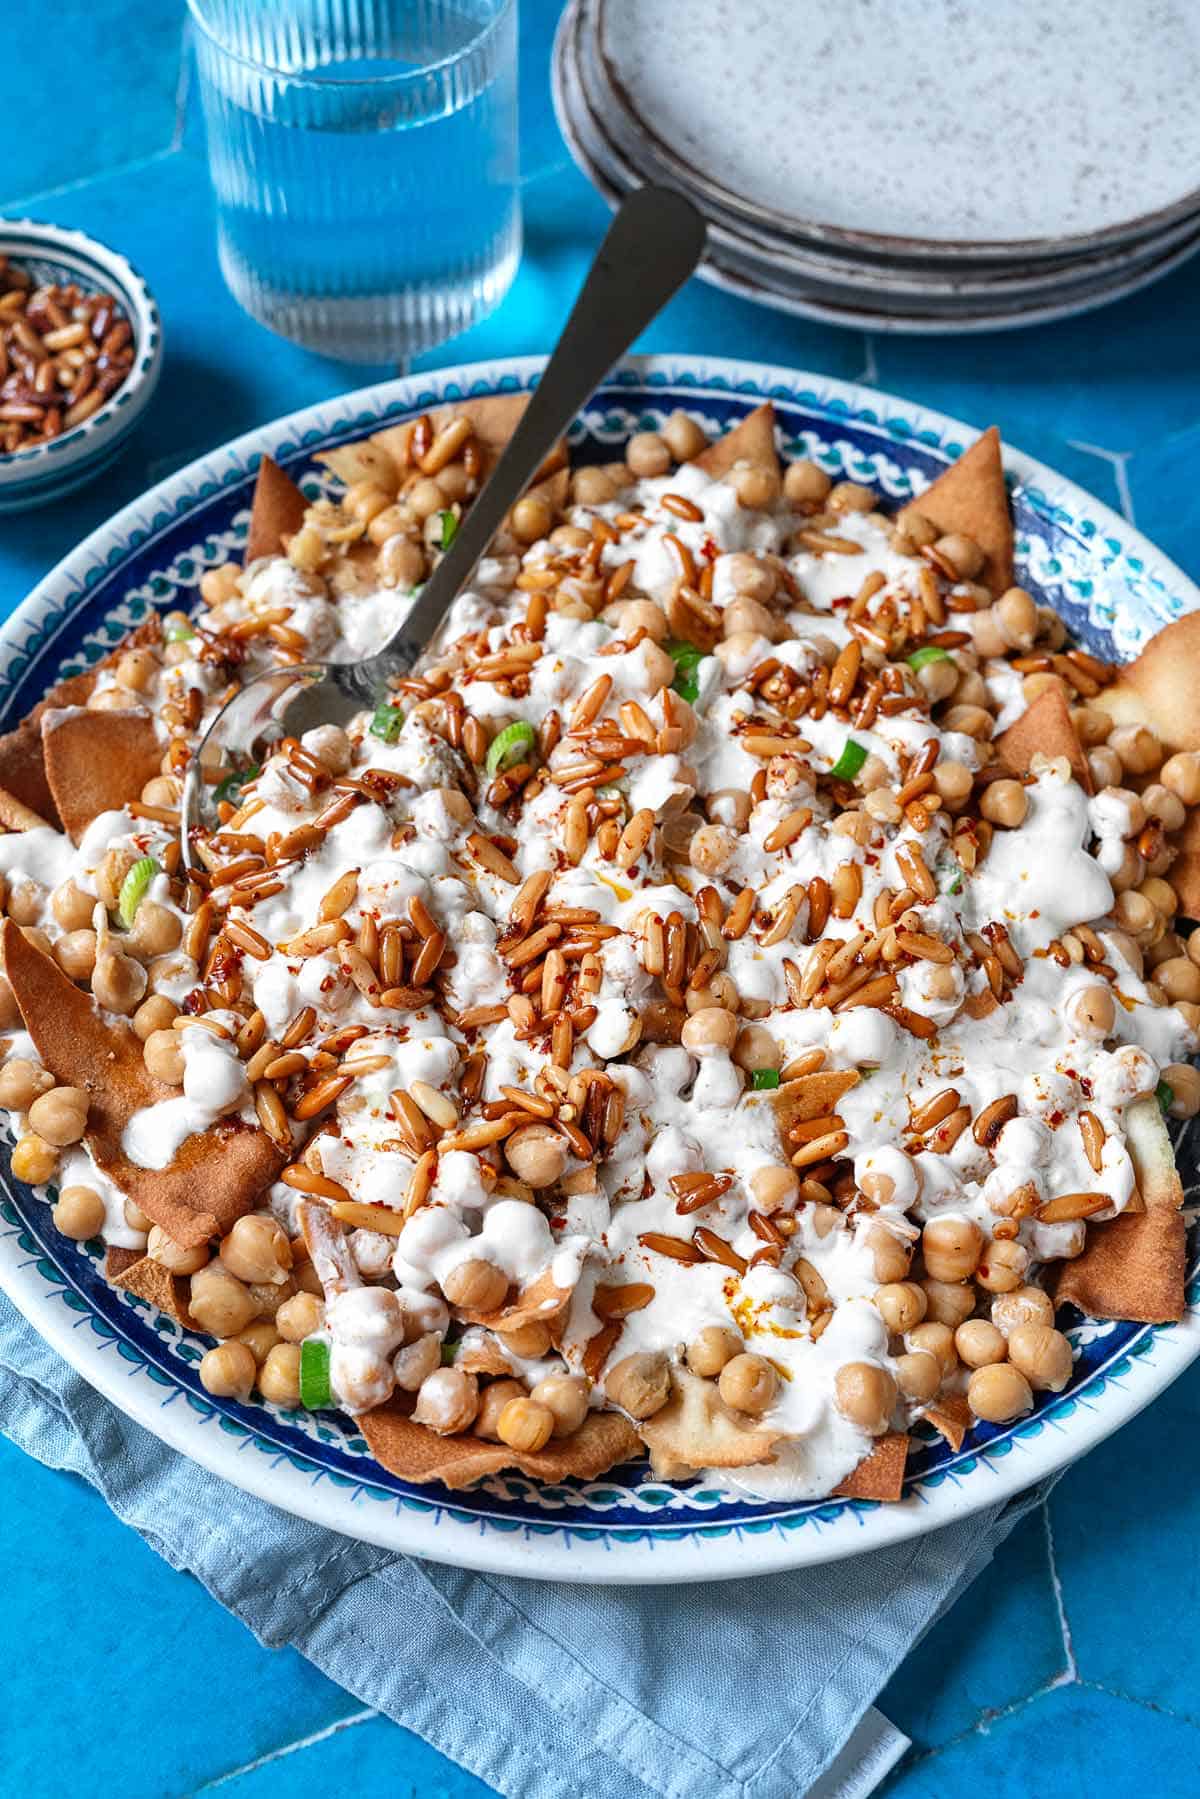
x=1158 y=688
x=1152 y=1154
x=15 y=816
x=328 y=1249
x=217 y=1175
x=22 y=768
x=542 y=1302
x=752 y=440
x=951 y=1417
x=1184 y=872
x=117 y=1260
x=97 y=762
x=276 y=512
x=366 y=460
x=696 y=1427
x=484 y=1357
x=971 y=498
x=879 y=1475
x=1132 y=1267
x=1045 y=729
x=418 y=1454
x=150 y=1281
x=811 y=1096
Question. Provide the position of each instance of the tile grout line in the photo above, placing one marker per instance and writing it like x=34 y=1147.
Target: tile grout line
x=70 y=187
x=1119 y=461
x=1070 y=1673
x=275 y=1755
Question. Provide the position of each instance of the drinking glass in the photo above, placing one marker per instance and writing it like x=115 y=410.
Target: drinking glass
x=364 y=159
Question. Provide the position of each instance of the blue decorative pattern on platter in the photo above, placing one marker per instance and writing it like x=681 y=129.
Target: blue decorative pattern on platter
x=1113 y=589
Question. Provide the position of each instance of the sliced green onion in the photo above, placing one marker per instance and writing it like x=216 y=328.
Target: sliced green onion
x=849 y=762
x=232 y=785
x=179 y=633
x=386 y=722
x=449 y=1351
x=955 y=886
x=1164 y=1093
x=315 y=1390
x=509 y=746
x=449 y=526
x=133 y=888
x=763 y=1080
x=930 y=652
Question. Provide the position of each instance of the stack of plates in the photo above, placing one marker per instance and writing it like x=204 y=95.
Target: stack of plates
x=900 y=167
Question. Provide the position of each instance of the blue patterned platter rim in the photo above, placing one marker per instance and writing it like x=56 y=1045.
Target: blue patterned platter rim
x=1113 y=588
x=44 y=472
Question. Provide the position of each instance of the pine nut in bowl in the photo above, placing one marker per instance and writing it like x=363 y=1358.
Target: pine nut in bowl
x=80 y=356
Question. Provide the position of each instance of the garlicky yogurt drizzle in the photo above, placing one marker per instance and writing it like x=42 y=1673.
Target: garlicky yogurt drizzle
x=662 y=1017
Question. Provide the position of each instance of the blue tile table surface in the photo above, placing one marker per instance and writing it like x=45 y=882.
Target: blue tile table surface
x=1071 y=1665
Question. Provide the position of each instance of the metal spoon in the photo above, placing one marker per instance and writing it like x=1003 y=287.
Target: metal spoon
x=652 y=246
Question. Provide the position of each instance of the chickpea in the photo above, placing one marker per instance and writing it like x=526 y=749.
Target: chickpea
x=1043 y=1355
x=260 y=1339
x=448 y=1401
x=492 y=1401
x=216 y=586
x=135 y=1218
x=1023 y=1305
x=1139 y=749
x=710 y=1031
x=901 y=1305
x=279 y=1376
x=756 y=486
x=25 y=902
x=219 y=1303
x=1135 y=914
x=163 y=790
x=1004 y=803
x=308 y=1280
x=640 y=1384
x=34 y=1160
x=525 y=1425
x=177 y=1257
x=79 y=1213
x=951 y=1246
x=918 y=1375
x=1184 y=1082
x=684 y=437
x=1179 y=978
x=476 y=1286
x=712 y=1348
x=118 y=982
x=999 y=1393
x=401 y=562
x=1105 y=766
x=162 y=1053
x=72 y=907
x=424 y=498
x=60 y=1116
x=719 y=996
x=711 y=848
x=727 y=806
x=75 y=954
x=1181 y=773
x=979 y=1343
x=962 y=553
x=529 y=1341
x=947 y=1302
x=156 y=931
x=757 y=1048
x=1018 y=617
x=257 y=1249
x=300 y=1316
x=936 y=1340
x=114 y=865
x=804 y=484
x=1164 y=806
x=230 y=1371
x=643 y=615
x=890 y=1254
x=647 y=455
x=593 y=487
x=937 y=680
x=531 y=519
x=1003 y=1266
x=970 y=689
x=749 y=1384
x=1163 y=898
x=154 y=1014
x=744 y=617
x=953 y=780
x=850 y=496
x=750 y=577
x=775 y=1188
x=972 y=721
x=413 y=1364
x=537 y=1154
x=865 y=1395
x=566 y=1397
x=21 y=1082
x=1130 y=872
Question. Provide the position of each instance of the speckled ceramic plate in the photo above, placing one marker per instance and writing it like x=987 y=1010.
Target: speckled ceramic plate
x=1113 y=588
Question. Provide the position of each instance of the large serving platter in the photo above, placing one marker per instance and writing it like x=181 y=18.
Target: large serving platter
x=1113 y=588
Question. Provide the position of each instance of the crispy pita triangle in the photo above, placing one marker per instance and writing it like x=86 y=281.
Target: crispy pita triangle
x=217 y=1175
x=1132 y=1267
x=696 y=1428
x=879 y=1475
x=1184 y=872
x=418 y=1454
x=971 y=497
x=1045 y=729
x=1159 y=687
x=97 y=762
x=277 y=511
x=752 y=439
x=484 y=1357
x=1152 y=1153
x=811 y=1096
x=14 y=816
x=22 y=769
x=149 y=1280
x=950 y=1416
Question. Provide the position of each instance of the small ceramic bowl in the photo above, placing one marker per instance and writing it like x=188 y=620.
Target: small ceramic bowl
x=43 y=472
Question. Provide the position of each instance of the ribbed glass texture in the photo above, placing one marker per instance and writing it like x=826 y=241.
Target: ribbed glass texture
x=364 y=159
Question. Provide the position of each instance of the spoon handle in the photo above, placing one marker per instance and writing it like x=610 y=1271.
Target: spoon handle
x=652 y=246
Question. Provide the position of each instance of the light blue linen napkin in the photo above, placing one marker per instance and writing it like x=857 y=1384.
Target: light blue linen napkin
x=752 y=1689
